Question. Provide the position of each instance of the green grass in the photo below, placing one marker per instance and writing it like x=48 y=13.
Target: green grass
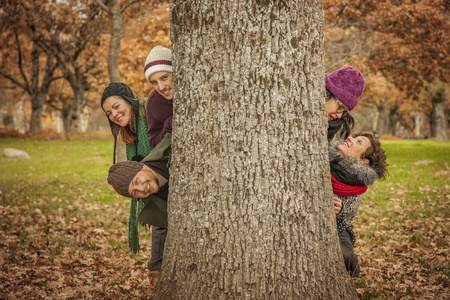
x=61 y=196
x=57 y=169
x=418 y=169
x=403 y=221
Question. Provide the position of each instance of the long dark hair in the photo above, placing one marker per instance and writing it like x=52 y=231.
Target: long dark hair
x=346 y=123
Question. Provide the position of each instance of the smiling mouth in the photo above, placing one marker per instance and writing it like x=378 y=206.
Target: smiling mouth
x=147 y=190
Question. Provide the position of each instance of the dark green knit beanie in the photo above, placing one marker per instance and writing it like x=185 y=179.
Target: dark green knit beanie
x=121 y=174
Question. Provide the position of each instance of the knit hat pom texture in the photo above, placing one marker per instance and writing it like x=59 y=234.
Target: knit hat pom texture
x=158 y=60
x=346 y=84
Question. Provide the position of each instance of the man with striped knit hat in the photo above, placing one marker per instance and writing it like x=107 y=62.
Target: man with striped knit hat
x=158 y=72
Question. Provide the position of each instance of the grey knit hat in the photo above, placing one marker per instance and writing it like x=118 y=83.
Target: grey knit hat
x=158 y=60
x=122 y=90
x=121 y=174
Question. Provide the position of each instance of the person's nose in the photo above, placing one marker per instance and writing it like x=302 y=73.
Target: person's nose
x=160 y=86
x=140 y=188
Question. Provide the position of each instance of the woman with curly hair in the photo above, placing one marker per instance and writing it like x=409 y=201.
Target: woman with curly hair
x=355 y=163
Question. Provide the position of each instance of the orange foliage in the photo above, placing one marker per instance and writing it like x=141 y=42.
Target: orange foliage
x=145 y=26
x=405 y=40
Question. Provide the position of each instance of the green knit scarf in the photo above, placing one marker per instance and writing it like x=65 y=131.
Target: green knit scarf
x=143 y=148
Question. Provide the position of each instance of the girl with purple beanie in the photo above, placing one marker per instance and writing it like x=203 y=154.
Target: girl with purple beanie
x=344 y=87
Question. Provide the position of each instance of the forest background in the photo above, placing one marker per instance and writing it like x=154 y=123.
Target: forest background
x=63 y=230
x=57 y=57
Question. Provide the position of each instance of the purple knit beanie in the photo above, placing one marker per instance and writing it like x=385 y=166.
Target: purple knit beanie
x=346 y=84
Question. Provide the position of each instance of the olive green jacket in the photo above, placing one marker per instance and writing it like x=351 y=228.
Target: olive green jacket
x=155 y=209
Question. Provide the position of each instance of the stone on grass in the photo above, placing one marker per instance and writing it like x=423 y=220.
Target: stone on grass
x=11 y=152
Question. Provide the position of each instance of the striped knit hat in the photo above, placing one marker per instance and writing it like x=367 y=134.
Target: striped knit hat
x=157 y=60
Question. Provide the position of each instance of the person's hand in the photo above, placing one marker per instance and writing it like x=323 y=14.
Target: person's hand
x=337 y=206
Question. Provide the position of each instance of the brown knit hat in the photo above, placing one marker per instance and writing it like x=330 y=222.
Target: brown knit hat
x=121 y=174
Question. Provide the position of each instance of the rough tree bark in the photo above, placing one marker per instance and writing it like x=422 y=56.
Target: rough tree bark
x=250 y=211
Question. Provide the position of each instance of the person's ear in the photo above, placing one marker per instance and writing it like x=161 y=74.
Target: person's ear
x=364 y=161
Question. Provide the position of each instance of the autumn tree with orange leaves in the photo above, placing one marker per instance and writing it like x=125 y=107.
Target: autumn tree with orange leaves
x=23 y=62
x=406 y=41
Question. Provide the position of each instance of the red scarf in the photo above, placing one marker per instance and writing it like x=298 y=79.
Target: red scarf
x=342 y=189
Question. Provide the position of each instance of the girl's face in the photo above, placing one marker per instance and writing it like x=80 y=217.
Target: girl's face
x=335 y=109
x=118 y=110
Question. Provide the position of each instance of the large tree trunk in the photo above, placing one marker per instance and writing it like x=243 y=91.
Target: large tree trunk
x=39 y=98
x=37 y=108
x=393 y=119
x=116 y=37
x=439 y=119
x=74 y=114
x=419 y=122
x=387 y=118
x=79 y=85
x=250 y=210
x=383 y=120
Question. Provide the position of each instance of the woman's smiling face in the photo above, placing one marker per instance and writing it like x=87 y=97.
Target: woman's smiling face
x=118 y=110
x=354 y=147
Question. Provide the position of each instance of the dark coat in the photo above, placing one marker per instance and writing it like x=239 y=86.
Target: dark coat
x=155 y=209
x=351 y=172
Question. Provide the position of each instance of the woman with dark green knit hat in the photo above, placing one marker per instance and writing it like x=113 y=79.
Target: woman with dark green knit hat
x=127 y=119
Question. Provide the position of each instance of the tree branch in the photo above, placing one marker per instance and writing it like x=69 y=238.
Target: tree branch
x=13 y=80
x=129 y=4
x=103 y=6
x=19 y=51
x=83 y=43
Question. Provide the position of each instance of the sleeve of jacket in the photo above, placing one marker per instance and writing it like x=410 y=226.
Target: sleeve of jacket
x=162 y=151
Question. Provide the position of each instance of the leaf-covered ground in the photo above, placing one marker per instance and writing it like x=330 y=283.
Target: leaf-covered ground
x=63 y=231
x=403 y=248
x=76 y=251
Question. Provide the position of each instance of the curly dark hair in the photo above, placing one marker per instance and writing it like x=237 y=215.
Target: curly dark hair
x=376 y=155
